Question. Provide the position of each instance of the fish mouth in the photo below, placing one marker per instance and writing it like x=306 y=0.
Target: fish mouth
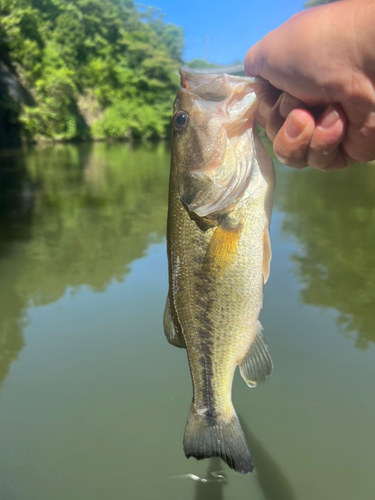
x=195 y=81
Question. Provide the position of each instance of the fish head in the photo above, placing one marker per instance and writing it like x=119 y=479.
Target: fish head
x=213 y=141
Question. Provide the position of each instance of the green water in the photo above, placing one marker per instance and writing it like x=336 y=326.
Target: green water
x=93 y=400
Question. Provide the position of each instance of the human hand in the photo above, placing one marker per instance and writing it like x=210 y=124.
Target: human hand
x=323 y=60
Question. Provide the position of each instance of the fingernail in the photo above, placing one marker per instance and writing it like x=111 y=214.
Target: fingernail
x=294 y=127
x=264 y=109
x=329 y=118
x=287 y=104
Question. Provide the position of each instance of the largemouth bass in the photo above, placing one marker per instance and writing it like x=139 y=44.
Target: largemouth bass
x=220 y=202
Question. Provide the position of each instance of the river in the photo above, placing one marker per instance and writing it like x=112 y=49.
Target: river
x=93 y=400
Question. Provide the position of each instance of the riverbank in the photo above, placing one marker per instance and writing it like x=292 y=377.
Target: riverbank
x=78 y=71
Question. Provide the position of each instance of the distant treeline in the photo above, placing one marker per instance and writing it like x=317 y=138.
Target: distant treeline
x=91 y=68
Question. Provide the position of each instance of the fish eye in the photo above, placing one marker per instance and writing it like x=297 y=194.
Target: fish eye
x=180 y=120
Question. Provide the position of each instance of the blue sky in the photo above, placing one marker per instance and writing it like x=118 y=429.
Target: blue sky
x=232 y=26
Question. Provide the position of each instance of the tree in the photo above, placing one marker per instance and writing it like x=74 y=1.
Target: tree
x=107 y=53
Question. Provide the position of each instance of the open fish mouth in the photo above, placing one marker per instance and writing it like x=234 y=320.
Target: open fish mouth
x=214 y=85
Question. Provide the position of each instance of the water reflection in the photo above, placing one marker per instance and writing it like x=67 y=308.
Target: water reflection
x=213 y=488
x=16 y=211
x=272 y=480
x=333 y=219
x=73 y=215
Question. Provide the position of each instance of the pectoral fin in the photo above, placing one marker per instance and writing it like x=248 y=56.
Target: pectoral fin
x=173 y=336
x=222 y=249
x=257 y=364
x=267 y=255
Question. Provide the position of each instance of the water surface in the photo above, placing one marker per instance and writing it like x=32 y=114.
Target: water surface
x=93 y=400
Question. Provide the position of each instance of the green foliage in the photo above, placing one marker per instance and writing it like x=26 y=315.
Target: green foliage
x=169 y=35
x=127 y=119
x=55 y=117
x=200 y=64
x=125 y=57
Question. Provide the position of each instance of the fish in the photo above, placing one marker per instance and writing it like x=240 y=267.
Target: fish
x=219 y=211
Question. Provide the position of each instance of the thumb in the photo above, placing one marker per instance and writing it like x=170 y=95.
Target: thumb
x=254 y=61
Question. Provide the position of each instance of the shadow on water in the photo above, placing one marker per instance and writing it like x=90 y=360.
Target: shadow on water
x=16 y=213
x=71 y=216
x=213 y=488
x=332 y=217
x=272 y=480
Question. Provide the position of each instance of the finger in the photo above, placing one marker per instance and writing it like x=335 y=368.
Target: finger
x=292 y=141
x=259 y=119
x=340 y=160
x=266 y=103
x=279 y=112
x=359 y=142
x=324 y=149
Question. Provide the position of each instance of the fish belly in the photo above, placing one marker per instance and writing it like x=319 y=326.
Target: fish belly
x=217 y=303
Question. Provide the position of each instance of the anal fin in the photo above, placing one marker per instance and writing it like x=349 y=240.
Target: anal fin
x=257 y=365
x=173 y=336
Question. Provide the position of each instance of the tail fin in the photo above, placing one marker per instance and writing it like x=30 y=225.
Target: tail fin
x=207 y=436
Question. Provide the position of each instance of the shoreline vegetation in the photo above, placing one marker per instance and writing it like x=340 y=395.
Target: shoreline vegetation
x=86 y=70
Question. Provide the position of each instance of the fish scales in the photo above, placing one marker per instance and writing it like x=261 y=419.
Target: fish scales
x=218 y=220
